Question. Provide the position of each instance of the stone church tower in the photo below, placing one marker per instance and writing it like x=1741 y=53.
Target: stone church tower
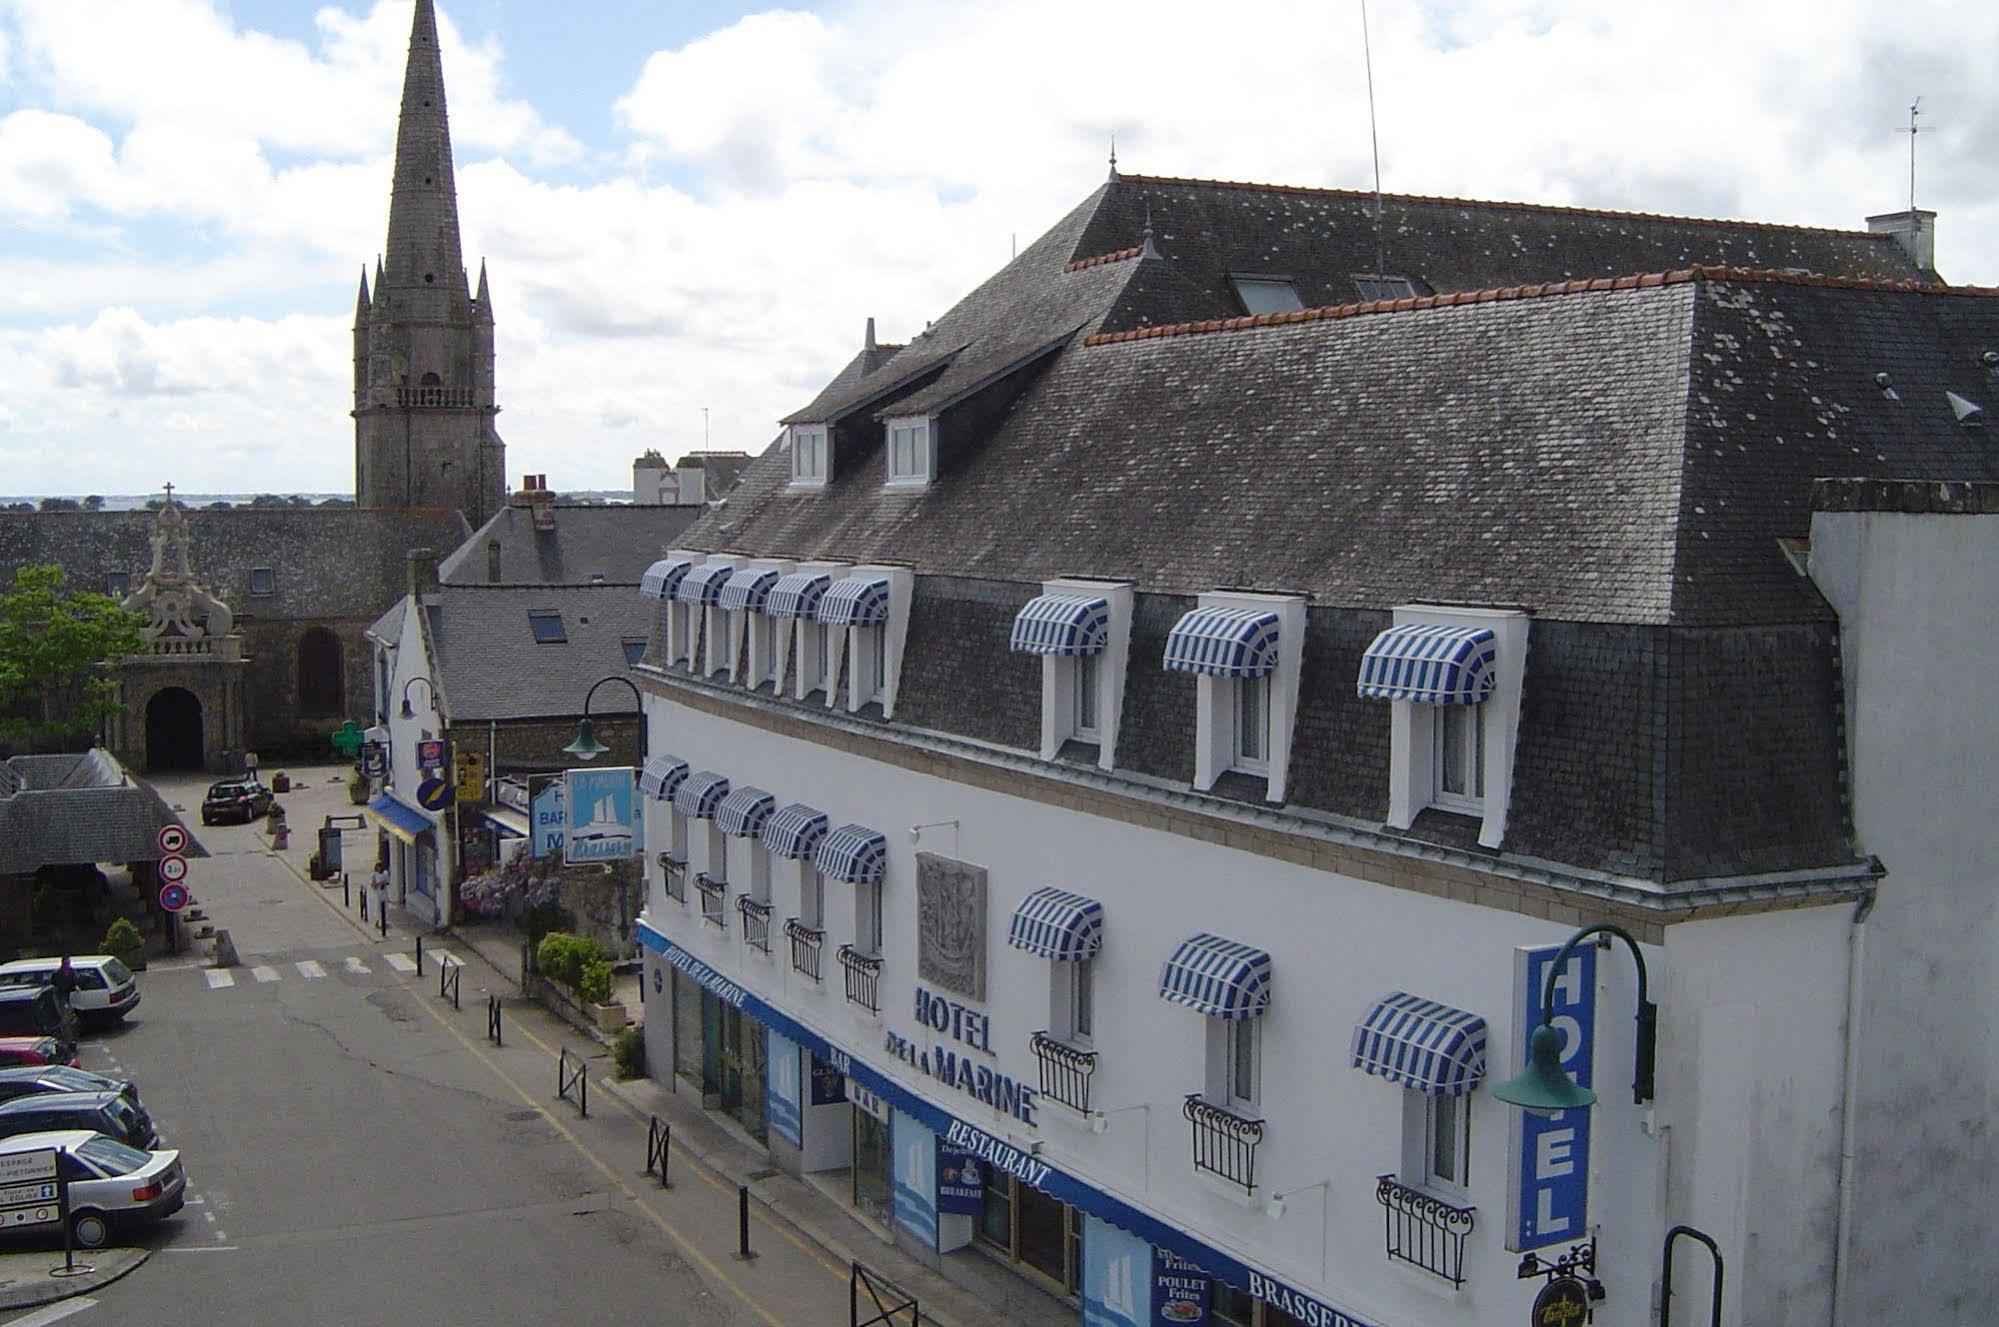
x=423 y=342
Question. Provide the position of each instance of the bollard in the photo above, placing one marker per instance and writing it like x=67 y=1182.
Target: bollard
x=364 y=905
x=743 y=1250
x=419 y=954
x=346 y=894
x=382 y=918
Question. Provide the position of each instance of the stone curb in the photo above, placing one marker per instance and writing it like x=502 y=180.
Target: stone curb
x=110 y=1264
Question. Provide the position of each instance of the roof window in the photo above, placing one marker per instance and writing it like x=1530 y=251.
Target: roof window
x=547 y=627
x=263 y=580
x=1376 y=285
x=1266 y=294
x=635 y=650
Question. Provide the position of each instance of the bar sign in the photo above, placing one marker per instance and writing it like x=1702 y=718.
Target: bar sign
x=1549 y=1174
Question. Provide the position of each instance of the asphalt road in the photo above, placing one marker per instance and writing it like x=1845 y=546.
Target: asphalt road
x=351 y=1162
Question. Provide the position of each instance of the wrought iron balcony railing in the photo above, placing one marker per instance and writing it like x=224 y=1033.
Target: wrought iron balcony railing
x=675 y=872
x=806 y=942
x=863 y=978
x=1065 y=1071
x=435 y=397
x=756 y=922
x=714 y=899
x=1224 y=1142
x=1423 y=1230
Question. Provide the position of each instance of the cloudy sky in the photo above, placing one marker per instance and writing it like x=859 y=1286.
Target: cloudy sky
x=697 y=204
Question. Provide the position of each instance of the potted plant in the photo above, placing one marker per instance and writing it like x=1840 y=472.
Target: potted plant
x=593 y=985
x=123 y=942
x=357 y=788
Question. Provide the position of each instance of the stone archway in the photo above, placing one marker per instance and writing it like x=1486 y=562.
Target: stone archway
x=320 y=689
x=173 y=730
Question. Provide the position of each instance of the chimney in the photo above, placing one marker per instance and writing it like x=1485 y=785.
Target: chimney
x=423 y=572
x=649 y=476
x=1915 y=230
x=690 y=484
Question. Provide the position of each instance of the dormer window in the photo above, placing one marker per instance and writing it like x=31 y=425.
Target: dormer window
x=911 y=452
x=1266 y=294
x=810 y=460
x=1377 y=285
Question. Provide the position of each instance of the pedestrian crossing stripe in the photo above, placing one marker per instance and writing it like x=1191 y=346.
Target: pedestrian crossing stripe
x=264 y=974
x=355 y=966
x=309 y=969
x=402 y=963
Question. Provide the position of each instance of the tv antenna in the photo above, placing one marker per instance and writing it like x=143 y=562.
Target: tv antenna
x=1374 y=137
x=1915 y=109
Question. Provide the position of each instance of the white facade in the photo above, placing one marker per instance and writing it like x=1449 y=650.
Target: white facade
x=420 y=872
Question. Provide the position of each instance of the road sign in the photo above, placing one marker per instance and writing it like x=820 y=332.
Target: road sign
x=29 y=1193
x=430 y=755
x=41 y=1191
x=174 y=897
x=433 y=794
x=172 y=838
x=173 y=869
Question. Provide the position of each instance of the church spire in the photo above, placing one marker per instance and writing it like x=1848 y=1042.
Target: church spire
x=423 y=248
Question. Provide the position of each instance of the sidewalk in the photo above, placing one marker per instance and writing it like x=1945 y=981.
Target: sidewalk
x=28 y=1279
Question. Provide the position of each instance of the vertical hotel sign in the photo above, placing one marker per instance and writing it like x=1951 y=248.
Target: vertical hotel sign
x=1549 y=1170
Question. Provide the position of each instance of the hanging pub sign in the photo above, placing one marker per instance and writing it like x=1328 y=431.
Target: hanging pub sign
x=1180 y=1290
x=829 y=1083
x=430 y=755
x=548 y=818
x=603 y=815
x=375 y=760
x=960 y=1181
x=1563 y=1302
x=470 y=776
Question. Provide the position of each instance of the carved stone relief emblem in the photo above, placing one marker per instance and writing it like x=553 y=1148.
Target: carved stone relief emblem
x=951 y=925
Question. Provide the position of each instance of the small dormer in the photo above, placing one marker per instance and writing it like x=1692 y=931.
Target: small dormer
x=811 y=455
x=911 y=450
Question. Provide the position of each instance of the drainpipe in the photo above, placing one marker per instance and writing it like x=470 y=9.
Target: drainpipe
x=1856 y=955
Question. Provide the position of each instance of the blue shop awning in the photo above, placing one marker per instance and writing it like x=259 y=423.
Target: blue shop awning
x=742 y=813
x=797 y=595
x=746 y=590
x=1067 y=624
x=855 y=601
x=399 y=817
x=1421 y=1044
x=663 y=577
x=661 y=776
x=853 y=853
x=793 y=832
x=702 y=586
x=1224 y=642
x=700 y=794
x=1054 y=923
x=1221 y=978
x=1436 y=665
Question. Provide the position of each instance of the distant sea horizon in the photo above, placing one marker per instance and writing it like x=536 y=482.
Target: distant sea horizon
x=138 y=501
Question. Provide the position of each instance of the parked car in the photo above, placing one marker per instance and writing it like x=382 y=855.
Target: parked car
x=110 y=1113
x=105 y=991
x=16 y=1051
x=111 y=1186
x=29 y=1079
x=241 y=800
x=34 y=1011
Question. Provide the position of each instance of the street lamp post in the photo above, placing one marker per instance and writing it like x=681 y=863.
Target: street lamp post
x=586 y=746
x=1544 y=1085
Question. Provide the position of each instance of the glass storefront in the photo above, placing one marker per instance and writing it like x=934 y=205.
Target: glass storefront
x=721 y=1052
x=1032 y=1230
x=874 y=1188
x=740 y=1057
x=1229 y=1307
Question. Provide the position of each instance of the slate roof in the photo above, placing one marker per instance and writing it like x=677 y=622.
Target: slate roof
x=77 y=809
x=329 y=562
x=615 y=542
x=489 y=665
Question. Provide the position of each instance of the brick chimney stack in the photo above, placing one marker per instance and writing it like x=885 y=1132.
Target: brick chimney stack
x=423 y=578
x=1914 y=230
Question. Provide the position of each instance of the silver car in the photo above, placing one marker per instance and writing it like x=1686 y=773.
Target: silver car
x=111 y=1186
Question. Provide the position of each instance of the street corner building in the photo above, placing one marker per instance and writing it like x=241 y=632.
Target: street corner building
x=1124 y=773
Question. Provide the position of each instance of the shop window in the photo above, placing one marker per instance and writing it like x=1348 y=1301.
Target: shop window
x=1029 y=1228
x=874 y=1189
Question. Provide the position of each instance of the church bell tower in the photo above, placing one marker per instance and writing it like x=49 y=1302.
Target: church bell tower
x=423 y=342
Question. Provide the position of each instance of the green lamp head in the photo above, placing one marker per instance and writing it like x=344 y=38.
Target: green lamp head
x=586 y=746
x=1544 y=1086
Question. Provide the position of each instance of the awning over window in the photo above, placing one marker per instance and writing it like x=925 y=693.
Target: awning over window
x=797 y=595
x=853 y=853
x=703 y=585
x=793 y=832
x=399 y=817
x=663 y=577
x=746 y=590
x=700 y=794
x=1067 y=624
x=1221 y=978
x=661 y=776
x=1423 y=1045
x=1224 y=642
x=1054 y=923
x=855 y=601
x=743 y=812
x=1436 y=665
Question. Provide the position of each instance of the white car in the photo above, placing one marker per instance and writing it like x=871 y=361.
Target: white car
x=111 y=1186
x=105 y=991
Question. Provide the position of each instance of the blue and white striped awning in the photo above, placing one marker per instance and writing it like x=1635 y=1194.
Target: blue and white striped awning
x=662 y=578
x=743 y=812
x=853 y=853
x=1069 y=624
x=700 y=794
x=661 y=776
x=1224 y=642
x=793 y=832
x=797 y=595
x=1054 y=923
x=1423 y=1045
x=746 y=590
x=1221 y=978
x=703 y=585
x=855 y=601
x=1436 y=665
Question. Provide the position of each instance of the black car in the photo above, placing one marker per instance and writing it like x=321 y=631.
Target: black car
x=37 y=1079
x=241 y=800
x=111 y=1113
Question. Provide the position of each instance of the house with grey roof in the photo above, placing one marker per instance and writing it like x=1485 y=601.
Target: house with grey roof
x=1179 y=739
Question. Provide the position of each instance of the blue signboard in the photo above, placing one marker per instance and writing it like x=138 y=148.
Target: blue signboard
x=915 y=1177
x=781 y=1090
x=829 y=1084
x=1181 y=1291
x=1550 y=1167
x=1117 y=1269
x=548 y=817
x=603 y=815
x=960 y=1181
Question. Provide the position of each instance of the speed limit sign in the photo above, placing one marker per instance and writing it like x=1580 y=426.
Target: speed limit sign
x=172 y=838
x=173 y=870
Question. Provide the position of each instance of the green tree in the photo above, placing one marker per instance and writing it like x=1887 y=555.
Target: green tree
x=95 y=502
x=52 y=638
x=61 y=504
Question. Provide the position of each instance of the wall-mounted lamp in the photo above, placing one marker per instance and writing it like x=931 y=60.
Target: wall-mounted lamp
x=430 y=691
x=1544 y=1086
x=586 y=746
x=916 y=831
x=1274 y=1209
